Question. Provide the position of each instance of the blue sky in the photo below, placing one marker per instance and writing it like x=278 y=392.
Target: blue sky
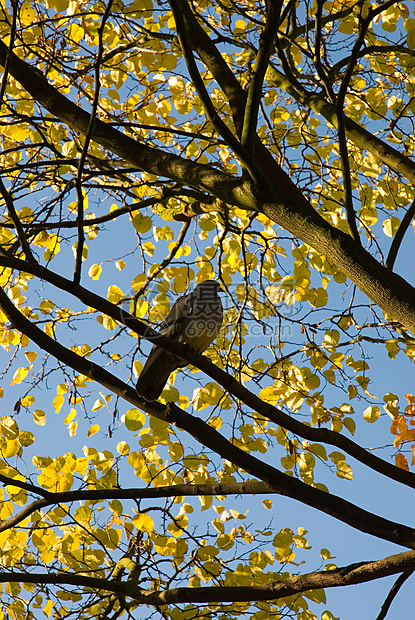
x=368 y=490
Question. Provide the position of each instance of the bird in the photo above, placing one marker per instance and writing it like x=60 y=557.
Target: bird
x=194 y=319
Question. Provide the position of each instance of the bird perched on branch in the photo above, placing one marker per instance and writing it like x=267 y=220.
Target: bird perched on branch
x=195 y=319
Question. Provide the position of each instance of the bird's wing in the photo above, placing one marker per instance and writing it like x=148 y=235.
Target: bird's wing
x=160 y=363
x=172 y=324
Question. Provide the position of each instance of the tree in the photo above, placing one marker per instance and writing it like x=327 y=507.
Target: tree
x=145 y=148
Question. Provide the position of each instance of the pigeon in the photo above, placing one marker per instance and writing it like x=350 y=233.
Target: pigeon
x=195 y=319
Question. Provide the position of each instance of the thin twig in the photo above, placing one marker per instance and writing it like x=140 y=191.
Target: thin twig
x=338 y=102
x=88 y=135
x=397 y=240
x=210 y=110
x=168 y=259
x=265 y=49
x=347 y=180
x=392 y=593
x=352 y=59
x=9 y=53
x=16 y=221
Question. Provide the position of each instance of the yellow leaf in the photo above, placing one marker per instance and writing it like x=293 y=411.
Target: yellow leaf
x=58 y=5
x=141 y=223
x=26 y=438
x=115 y=294
x=343 y=469
x=47 y=610
x=10 y=448
x=371 y=414
x=83 y=514
x=208 y=222
x=391 y=405
x=134 y=419
x=98 y=404
x=19 y=375
x=76 y=33
x=72 y=428
x=318 y=297
x=46 y=306
x=390 y=226
x=205 y=501
x=123 y=448
x=70 y=416
x=164 y=233
x=30 y=356
x=175 y=451
x=93 y=430
x=39 y=417
x=27 y=14
x=143 y=522
x=318 y=596
x=210 y=394
x=107 y=322
x=84 y=250
x=58 y=402
x=52 y=246
x=410 y=28
x=401 y=461
x=95 y=271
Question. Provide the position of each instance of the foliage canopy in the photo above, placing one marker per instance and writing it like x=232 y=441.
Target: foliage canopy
x=146 y=147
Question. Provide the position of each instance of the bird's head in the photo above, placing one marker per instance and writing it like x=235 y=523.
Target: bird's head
x=208 y=288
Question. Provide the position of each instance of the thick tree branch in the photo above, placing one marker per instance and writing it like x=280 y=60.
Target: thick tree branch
x=250 y=487
x=230 y=384
x=212 y=58
x=146 y=158
x=244 y=156
x=355 y=132
x=346 y=575
x=289 y=486
x=391 y=292
x=284 y=485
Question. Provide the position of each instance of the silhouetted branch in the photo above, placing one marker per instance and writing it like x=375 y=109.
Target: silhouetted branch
x=285 y=485
x=230 y=384
x=254 y=96
x=352 y=574
x=250 y=487
x=400 y=233
x=392 y=594
x=88 y=136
